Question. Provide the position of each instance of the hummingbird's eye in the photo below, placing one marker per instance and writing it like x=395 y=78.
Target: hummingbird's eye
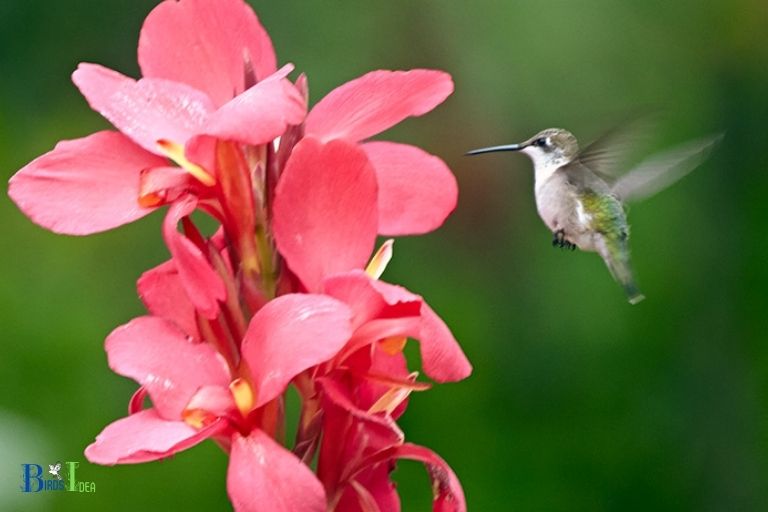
x=540 y=142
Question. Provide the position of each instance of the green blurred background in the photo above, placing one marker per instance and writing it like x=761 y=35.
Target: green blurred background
x=578 y=402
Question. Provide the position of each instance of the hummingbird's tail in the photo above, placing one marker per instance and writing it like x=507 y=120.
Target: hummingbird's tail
x=617 y=260
x=634 y=295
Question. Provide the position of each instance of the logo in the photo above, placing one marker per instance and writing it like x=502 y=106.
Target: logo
x=61 y=476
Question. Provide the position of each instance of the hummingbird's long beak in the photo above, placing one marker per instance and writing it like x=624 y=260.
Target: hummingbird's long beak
x=494 y=149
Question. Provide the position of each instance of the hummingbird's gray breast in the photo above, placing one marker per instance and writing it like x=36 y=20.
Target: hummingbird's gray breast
x=560 y=206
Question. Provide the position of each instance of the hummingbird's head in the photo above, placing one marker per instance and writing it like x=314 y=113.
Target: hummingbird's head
x=553 y=146
x=550 y=147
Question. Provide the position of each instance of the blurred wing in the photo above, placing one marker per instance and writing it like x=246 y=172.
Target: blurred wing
x=606 y=155
x=663 y=169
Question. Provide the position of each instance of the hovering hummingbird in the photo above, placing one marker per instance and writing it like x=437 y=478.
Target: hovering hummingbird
x=580 y=194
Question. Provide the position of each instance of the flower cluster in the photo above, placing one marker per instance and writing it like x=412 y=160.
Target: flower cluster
x=286 y=292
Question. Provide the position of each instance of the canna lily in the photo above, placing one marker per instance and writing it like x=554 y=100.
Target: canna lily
x=364 y=389
x=197 y=394
x=208 y=74
x=325 y=225
x=416 y=191
x=279 y=294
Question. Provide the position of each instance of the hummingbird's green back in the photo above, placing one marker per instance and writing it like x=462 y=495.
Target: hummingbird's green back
x=608 y=220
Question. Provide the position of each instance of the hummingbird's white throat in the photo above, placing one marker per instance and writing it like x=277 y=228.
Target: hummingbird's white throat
x=544 y=162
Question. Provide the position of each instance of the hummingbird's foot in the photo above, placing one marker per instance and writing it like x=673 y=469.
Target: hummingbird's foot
x=560 y=241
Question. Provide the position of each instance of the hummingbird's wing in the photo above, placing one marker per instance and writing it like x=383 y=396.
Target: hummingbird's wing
x=607 y=156
x=663 y=169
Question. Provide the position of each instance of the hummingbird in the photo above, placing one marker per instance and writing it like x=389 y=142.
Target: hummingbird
x=581 y=193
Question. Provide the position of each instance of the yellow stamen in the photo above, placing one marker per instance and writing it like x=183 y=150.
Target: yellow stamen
x=380 y=260
x=175 y=152
x=243 y=395
x=197 y=418
x=393 y=345
x=150 y=200
x=389 y=401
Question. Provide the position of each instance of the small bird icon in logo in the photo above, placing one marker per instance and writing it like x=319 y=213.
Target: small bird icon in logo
x=54 y=470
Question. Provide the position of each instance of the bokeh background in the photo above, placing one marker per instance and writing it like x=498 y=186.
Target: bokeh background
x=579 y=401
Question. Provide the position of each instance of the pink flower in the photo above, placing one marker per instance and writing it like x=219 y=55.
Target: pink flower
x=278 y=294
x=325 y=225
x=197 y=394
x=200 y=61
x=416 y=191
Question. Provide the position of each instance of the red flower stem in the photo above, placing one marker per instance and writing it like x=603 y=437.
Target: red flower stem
x=221 y=340
x=266 y=255
x=237 y=200
x=233 y=313
x=272 y=418
x=308 y=432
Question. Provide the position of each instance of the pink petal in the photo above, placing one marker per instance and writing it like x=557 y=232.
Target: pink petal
x=162 y=292
x=216 y=400
x=264 y=476
x=376 y=101
x=144 y=437
x=205 y=44
x=441 y=355
x=447 y=491
x=378 y=431
x=259 y=115
x=382 y=310
x=369 y=300
x=202 y=284
x=146 y=111
x=162 y=185
x=379 y=491
x=325 y=213
x=84 y=186
x=349 y=434
x=417 y=191
x=290 y=334
x=157 y=355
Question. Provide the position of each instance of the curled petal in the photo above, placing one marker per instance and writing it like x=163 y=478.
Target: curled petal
x=441 y=356
x=136 y=403
x=264 y=476
x=448 y=496
x=369 y=301
x=290 y=334
x=157 y=355
x=325 y=214
x=376 y=101
x=84 y=186
x=145 y=436
x=417 y=191
x=208 y=45
x=202 y=284
x=163 y=294
x=161 y=185
x=384 y=310
x=147 y=110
